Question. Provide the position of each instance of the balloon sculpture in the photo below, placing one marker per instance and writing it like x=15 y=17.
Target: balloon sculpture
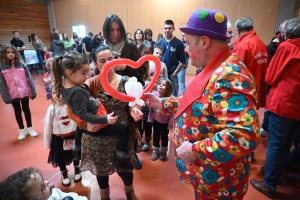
x=133 y=88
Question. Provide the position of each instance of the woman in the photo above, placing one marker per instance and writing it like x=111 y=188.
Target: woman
x=148 y=36
x=97 y=152
x=159 y=37
x=66 y=41
x=57 y=46
x=138 y=37
x=39 y=47
x=115 y=35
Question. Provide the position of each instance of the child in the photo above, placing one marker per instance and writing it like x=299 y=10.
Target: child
x=161 y=123
x=59 y=131
x=146 y=48
x=48 y=78
x=158 y=51
x=87 y=111
x=29 y=184
x=16 y=87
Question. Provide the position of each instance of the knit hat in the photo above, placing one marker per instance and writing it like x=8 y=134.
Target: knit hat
x=207 y=22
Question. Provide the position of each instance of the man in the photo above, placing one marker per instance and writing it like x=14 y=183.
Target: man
x=229 y=32
x=283 y=75
x=87 y=45
x=272 y=48
x=254 y=53
x=52 y=35
x=181 y=75
x=216 y=122
x=173 y=56
x=129 y=37
x=19 y=44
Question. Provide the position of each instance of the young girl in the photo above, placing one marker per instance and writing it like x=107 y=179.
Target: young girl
x=16 y=87
x=87 y=111
x=161 y=123
x=146 y=48
x=59 y=131
x=48 y=78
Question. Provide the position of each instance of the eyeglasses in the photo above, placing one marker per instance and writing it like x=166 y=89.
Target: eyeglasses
x=43 y=186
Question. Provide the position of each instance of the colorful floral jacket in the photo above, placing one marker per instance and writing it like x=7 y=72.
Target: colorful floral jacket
x=221 y=120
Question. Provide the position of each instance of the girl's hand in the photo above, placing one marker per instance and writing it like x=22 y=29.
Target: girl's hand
x=111 y=119
x=136 y=114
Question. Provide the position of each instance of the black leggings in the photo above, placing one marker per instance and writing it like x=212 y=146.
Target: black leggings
x=127 y=178
x=143 y=125
x=18 y=112
x=160 y=132
x=121 y=130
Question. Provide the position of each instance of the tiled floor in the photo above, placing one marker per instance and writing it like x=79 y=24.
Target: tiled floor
x=157 y=180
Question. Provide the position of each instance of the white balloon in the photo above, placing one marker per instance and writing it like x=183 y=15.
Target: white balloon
x=135 y=89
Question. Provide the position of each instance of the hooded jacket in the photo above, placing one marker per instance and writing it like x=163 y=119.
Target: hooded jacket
x=58 y=47
x=283 y=75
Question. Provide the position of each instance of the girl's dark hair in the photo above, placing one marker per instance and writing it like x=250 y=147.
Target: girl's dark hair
x=148 y=32
x=98 y=49
x=3 y=56
x=63 y=37
x=169 y=87
x=19 y=185
x=141 y=33
x=146 y=45
x=56 y=36
x=72 y=61
x=158 y=36
x=160 y=48
x=32 y=35
x=107 y=25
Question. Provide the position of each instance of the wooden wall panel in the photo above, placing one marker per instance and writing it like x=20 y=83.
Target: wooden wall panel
x=118 y=7
x=138 y=15
x=96 y=17
x=26 y=21
x=297 y=9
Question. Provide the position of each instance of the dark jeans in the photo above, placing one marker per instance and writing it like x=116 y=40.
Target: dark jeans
x=127 y=178
x=23 y=57
x=160 y=132
x=174 y=81
x=121 y=130
x=280 y=137
x=40 y=55
x=18 y=112
x=143 y=125
x=265 y=122
x=294 y=158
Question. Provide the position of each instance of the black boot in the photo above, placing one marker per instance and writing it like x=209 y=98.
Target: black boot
x=122 y=161
x=77 y=152
x=138 y=163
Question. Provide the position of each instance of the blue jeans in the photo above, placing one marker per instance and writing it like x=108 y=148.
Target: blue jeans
x=281 y=134
x=181 y=80
x=294 y=158
x=40 y=55
x=265 y=122
x=174 y=81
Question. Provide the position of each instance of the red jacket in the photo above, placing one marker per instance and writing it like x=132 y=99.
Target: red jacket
x=254 y=53
x=284 y=77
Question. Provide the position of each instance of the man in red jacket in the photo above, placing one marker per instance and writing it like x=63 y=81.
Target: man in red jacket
x=283 y=76
x=254 y=53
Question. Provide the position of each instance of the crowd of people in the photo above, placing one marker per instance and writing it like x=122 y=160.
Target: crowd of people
x=215 y=120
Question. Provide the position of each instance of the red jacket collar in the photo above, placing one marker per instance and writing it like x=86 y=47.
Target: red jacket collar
x=249 y=34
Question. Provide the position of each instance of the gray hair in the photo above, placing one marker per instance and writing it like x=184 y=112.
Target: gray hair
x=292 y=27
x=244 y=24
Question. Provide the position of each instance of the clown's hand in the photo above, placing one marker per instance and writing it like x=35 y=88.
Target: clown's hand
x=185 y=153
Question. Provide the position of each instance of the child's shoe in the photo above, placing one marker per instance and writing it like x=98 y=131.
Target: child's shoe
x=163 y=153
x=32 y=132
x=65 y=181
x=76 y=152
x=22 y=134
x=155 y=153
x=77 y=174
x=146 y=146
x=122 y=161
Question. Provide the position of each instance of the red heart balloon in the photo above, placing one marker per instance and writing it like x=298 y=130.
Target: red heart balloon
x=121 y=96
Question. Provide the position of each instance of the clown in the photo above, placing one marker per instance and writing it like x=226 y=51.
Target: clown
x=216 y=121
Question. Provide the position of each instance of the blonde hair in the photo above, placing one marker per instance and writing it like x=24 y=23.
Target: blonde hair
x=48 y=62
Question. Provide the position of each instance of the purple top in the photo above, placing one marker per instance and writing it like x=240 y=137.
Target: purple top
x=159 y=117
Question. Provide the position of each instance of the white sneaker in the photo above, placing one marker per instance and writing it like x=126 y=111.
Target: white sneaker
x=263 y=133
x=32 y=132
x=22 y=134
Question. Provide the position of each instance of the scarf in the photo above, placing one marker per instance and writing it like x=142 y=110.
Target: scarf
x=116 y=48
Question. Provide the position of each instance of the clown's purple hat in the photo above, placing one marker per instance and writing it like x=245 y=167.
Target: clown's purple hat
x=207 y=22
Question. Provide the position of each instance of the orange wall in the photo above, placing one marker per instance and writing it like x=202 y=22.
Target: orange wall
x=297 y=9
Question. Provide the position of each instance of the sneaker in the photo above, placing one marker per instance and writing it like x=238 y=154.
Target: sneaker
x=22 y=134
x=77 y=174
x=263 y=133
x=65 y=181
x=32 y=132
